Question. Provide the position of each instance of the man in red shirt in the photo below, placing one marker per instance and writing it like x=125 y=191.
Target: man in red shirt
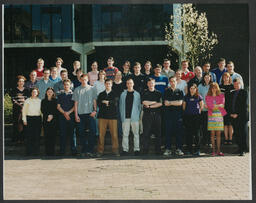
x=40 y=69
x=111 y=70
x=186 y=74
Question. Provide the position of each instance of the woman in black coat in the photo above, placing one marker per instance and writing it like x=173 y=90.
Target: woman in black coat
x=239 y=115
x=49 y=110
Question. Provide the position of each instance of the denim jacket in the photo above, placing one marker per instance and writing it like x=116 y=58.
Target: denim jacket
x=136 y=106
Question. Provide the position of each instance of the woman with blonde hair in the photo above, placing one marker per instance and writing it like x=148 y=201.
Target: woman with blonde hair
x=215 y=102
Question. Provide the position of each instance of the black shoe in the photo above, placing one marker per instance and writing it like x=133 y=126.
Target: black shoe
x=242 y=154
x=124 y=153
x=136 y=153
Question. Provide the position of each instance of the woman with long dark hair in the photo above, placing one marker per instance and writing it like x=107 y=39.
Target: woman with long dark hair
x=215 y=102
x=18 y=95
x=49 y=110
x=192 y=106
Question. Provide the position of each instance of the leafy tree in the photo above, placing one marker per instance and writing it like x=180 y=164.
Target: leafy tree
x=187 y=35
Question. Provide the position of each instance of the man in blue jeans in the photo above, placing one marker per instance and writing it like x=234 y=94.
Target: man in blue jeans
x=66 y=118
x=173 y=99
x=85 y=107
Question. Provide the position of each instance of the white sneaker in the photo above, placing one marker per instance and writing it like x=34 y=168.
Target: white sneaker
x=179 y=152
x=167 y=152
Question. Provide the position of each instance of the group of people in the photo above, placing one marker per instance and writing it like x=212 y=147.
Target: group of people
x=157 y=103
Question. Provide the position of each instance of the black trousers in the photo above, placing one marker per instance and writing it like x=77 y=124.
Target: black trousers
x=205 y=134
x=151 y=124
x=240 y=132
x=50 y=131
x=33 y=130
x=192 y=131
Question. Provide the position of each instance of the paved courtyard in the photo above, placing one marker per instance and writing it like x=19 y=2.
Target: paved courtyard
x=108 y=177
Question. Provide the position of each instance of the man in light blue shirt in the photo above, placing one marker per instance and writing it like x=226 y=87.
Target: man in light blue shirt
x=85 y=110
x=44 y=83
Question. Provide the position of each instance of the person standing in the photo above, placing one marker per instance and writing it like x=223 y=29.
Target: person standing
x=226 y=87
x=138 y=78
x=215 y=102
x=107 y=103
x=54 y=75
x=233 y=74
x=239 y=115
x=198 y=77
x=167 y=71
x=59 y=86
x=110 y=70
x=85 y=111
x=152 y=102
x=220 y=70
x=181 y=84
x=76 y=66
x=186 y=74
x=65 y=106
x=59 y=63
x=126 y=71
x=39 y=69
x=206 y=69
x=173 y=98
x=161 y=81
x=76 y=82
x=148 y=69
x=31 y=116
x=18 y=96
x=192 y=106
x=49 y=111
x=32 y=82
x=44 y=83
x=203 y=89
x=130 y=107
x=93 y=75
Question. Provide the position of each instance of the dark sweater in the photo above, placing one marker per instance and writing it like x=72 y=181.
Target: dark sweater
x=110 y=111
x=49 y=108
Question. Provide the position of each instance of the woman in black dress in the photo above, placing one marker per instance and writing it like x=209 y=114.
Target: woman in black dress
x=49 y=110
x=18 y=95
x=226 y=87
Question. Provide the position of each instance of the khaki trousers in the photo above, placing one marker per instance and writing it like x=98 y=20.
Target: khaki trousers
x=112 y=124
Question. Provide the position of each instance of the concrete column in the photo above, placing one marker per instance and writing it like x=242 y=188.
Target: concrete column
x=83 y=61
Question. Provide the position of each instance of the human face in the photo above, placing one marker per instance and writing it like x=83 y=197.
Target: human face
x=237 y=85
x=84 y=80
x=157 y=71
x=226 y=78
x=221 y=64
x=178 y=75
x=54 y=73
x=108 y=85
x=94 y=67
x=46 y=74
x=126 y=67
x=173 y=83
x=76 y=66
x=151 y=84
x=64 y=76
x=21 y=82
x=33 y=76
x=192 y=90
x=206 y=68
x=118 y=76
x=58 y=63
x=102 y=76
x=67 y=86
x=129 y=84
x=136 y=69
x=49 y=93
x=167 y=64
x=79 y=73
x=40 y=64
x=198 y=72
x=184 y=65
x=207 y=79
x=147 y=67
x=110 y=63
x=214 y=90
x=34 y=93
x=230 y=68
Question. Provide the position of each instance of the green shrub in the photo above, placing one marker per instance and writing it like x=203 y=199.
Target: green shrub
x=7 y=109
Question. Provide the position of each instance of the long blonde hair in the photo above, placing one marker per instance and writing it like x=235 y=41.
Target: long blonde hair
x=212 y=85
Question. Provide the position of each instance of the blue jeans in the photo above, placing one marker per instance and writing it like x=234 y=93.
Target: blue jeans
x=173 y=127
x=67 y=129
x=87 y=130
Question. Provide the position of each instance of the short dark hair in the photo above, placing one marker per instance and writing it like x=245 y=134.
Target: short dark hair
x=128 y=63
x=129 y=79
x=111 y=58
x=79 y=69
x=221 y=60
x=172 y=77
x=108 y=80
x=167 y=60
x=151 y=79
x=63 y=71
x=158 y=66
x=207 y=62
